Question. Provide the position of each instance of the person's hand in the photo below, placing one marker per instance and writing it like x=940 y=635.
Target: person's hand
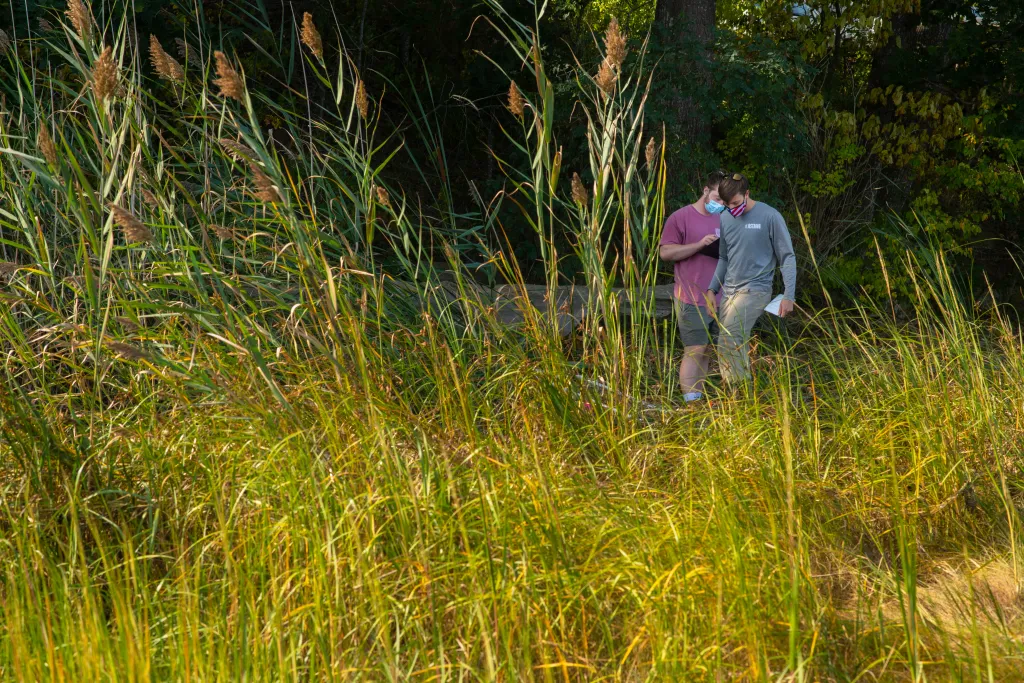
x=710 y=300
x=707 y=239
x=785 y=308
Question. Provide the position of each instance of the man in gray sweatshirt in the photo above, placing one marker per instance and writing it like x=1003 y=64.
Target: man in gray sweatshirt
x=755 y=240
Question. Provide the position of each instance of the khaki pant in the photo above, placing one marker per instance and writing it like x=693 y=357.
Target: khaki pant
x=739 y=311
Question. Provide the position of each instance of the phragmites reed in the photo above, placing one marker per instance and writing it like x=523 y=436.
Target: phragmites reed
x=80 y=17
x=382 y=196
x=311 y=37
x=126 y=350
x=516 y=103
x=150 y=199
x=614 y=44
x=46 y=146
x=5 y=41
x=45 y=25
x=606 y=77
x=132 y=227
x=221 y=231
x=266 y=191
x=651 y=151
x=236 y=149
x=228 y=80
x=188 y=54
x=579 y=193
x=166 y=66
x=8 y=269
x=105 y=74
x=362 y=102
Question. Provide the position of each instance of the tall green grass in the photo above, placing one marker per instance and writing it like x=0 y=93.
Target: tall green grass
x=246 y=450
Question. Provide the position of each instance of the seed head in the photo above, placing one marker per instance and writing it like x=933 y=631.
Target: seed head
x=311 y=37
x=46 y=146
x=579 y=193
x=45 y=25
x=105 y=74
x=166 y=66
x=80 y=17
x=228 y=81
x=5 y=41
x=221 y=231
x=606 y=78
x=236 y=149
x=188 y=54
x=150 y=199
x=650 y=152
x=133 y=229
x=127 y=324
x=362 y=102
x=126 y=350
x=382 y=196
x=516 y=103
x=8 y=269
x=266 y=191
x=614 y=44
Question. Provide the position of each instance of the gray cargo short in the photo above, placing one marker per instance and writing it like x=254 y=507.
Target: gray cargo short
x=696 y=326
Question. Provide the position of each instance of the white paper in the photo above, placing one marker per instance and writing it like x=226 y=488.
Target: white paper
x=773 y=305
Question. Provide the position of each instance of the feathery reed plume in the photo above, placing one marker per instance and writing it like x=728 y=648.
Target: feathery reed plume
x=5 y=41
x=236 y=149
x=45 y=25
x=150 y=199
x=166 y=66
x=80 y=17
x=188 y=54
x=606 y=78
x=46 y=146
x=74 y=281
x=311 y=37
x=221 y=231
x=8 y=269
x=382 y=196
x=132 y=227
x=650 y=152
x=266 y=191
x=516 y=103
x=362 y=102
x=579 y=193
x=126 y=350
x=228 y=80
x=614 y=44
x=127 y=324
x=104 y=74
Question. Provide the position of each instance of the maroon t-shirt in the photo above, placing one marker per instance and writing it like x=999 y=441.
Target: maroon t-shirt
x=693 y=275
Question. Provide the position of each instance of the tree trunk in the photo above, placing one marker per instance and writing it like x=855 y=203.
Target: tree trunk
x=688 y=22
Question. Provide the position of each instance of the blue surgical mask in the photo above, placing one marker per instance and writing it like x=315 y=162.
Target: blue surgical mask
x=713 y=207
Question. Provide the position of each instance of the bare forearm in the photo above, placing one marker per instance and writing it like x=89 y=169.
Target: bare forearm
x=679 y=252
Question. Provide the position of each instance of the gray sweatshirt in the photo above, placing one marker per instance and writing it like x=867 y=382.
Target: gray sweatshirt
x=751 y=247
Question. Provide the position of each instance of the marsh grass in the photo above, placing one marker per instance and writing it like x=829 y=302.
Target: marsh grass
x=239 y=449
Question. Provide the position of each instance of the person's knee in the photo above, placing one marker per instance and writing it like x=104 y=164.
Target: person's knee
x=695 y=351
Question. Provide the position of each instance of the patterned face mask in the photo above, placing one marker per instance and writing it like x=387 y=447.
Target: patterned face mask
x=738 y=211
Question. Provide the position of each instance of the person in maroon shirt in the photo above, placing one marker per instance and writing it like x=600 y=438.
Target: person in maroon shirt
x=690 y=241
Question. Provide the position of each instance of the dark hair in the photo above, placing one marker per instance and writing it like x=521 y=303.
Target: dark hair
x=714 y=179
x=733 y=185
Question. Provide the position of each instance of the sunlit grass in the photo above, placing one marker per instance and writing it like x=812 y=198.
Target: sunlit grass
x=237 y=450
